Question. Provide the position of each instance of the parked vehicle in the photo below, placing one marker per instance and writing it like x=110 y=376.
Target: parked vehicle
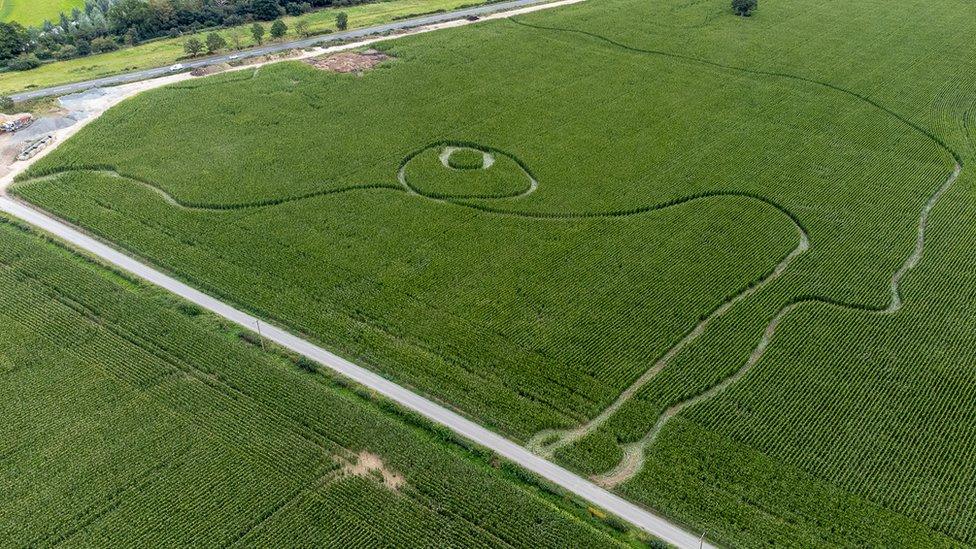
x=17 y=124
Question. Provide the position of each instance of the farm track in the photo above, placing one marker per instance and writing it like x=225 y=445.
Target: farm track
x=546 y=442
x=461 y=426
x=201 y=207
x=413 y=25
x=464 y=202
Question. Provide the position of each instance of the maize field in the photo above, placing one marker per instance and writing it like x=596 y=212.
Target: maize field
x=723 y=265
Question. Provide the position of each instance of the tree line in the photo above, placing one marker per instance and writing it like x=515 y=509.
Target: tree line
x=106 y=25
x=214 y=42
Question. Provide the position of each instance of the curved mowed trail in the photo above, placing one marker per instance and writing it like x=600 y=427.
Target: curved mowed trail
x=175 y=202
x=548 y=441
x=879 y=293
x=634 y=453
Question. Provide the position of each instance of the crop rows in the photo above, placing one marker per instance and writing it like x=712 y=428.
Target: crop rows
x=139 y=424
x=673 y=171
x=397 y=290
x=869 y=403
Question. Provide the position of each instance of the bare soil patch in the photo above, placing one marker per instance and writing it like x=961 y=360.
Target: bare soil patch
x=269 y=58
x=210 y=69
x=348 y=62
x=368 y=464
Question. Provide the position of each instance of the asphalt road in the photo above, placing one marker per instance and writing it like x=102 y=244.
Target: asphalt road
x=645 y=520
x=641 y=518
x=349 y=35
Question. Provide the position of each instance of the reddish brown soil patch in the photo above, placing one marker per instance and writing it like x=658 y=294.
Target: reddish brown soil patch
x=210 y=69
x=347 y=62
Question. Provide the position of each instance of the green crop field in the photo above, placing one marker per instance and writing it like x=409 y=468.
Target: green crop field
x=35 y=12
x=722 y=264
x=133 y=419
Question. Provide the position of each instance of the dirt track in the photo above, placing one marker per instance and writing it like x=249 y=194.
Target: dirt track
x=94 y=105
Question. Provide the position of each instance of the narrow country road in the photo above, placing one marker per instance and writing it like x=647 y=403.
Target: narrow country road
x=643 y=519
x=146 y=74
x=463 y=427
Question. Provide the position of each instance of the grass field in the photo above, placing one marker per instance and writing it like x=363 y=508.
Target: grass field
x=159 y=53
x=140 y=420
x=670 y=184
x=35 y=12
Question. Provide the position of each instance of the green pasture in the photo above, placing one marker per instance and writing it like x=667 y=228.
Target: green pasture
x=35 y=12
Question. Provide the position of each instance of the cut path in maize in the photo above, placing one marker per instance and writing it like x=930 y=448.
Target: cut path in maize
x=608 y=282
x=548 y=441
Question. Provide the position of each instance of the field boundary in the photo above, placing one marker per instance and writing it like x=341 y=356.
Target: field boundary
x=386 y=31
x=78 y=239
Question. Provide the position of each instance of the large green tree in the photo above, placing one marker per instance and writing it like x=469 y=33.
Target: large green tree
x=744 y=7
x=278 y=29
x=193 y=46
x=215 y=42
x=257 y=31
x=266 y=9
x=125 y=15
x=13 y=40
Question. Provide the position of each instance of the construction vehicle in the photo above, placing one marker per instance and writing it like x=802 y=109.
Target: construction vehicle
x=17 y=124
